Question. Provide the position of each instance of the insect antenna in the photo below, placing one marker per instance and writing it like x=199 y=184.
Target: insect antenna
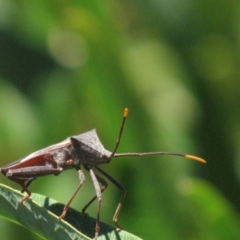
x=125 y=114
x=195 y=158
x=114 y=154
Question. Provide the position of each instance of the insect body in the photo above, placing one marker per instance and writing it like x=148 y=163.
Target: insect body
x=82 y=150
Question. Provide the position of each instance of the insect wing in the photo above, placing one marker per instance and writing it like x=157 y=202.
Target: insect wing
x=38 y=158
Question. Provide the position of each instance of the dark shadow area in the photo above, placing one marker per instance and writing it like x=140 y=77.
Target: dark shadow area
x=83 y=223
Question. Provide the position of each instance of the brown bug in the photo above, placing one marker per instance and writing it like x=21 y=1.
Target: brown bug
x=82 y=150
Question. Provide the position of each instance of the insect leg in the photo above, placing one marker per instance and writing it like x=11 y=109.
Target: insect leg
x=82 y=180
x=21 y=182
x=120 y=187
x=99 y=197
x=104 y=187
x=28 y=182
x=32 y=172
x=24 y=176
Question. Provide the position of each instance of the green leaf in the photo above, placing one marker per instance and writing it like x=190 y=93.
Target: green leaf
x=215 y=217
x=40 y=216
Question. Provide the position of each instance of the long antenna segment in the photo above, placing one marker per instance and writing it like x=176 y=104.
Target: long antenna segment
x=125 y=114
x=114 y=154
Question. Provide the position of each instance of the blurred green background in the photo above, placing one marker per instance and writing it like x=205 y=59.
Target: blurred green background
x=69 y=66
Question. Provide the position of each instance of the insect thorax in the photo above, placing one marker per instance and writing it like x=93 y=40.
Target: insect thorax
x=61 y=156
x=86 y=155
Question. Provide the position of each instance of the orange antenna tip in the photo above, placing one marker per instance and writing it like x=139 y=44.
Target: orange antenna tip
x=125 y=113
x=196 y=158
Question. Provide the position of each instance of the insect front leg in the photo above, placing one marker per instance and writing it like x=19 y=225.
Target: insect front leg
x=104 y=187
x=99 y=197
x=120 y=187
x=82 y=181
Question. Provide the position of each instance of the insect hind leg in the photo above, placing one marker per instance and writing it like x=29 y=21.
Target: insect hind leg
x=21 y=182
x=28 y=182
